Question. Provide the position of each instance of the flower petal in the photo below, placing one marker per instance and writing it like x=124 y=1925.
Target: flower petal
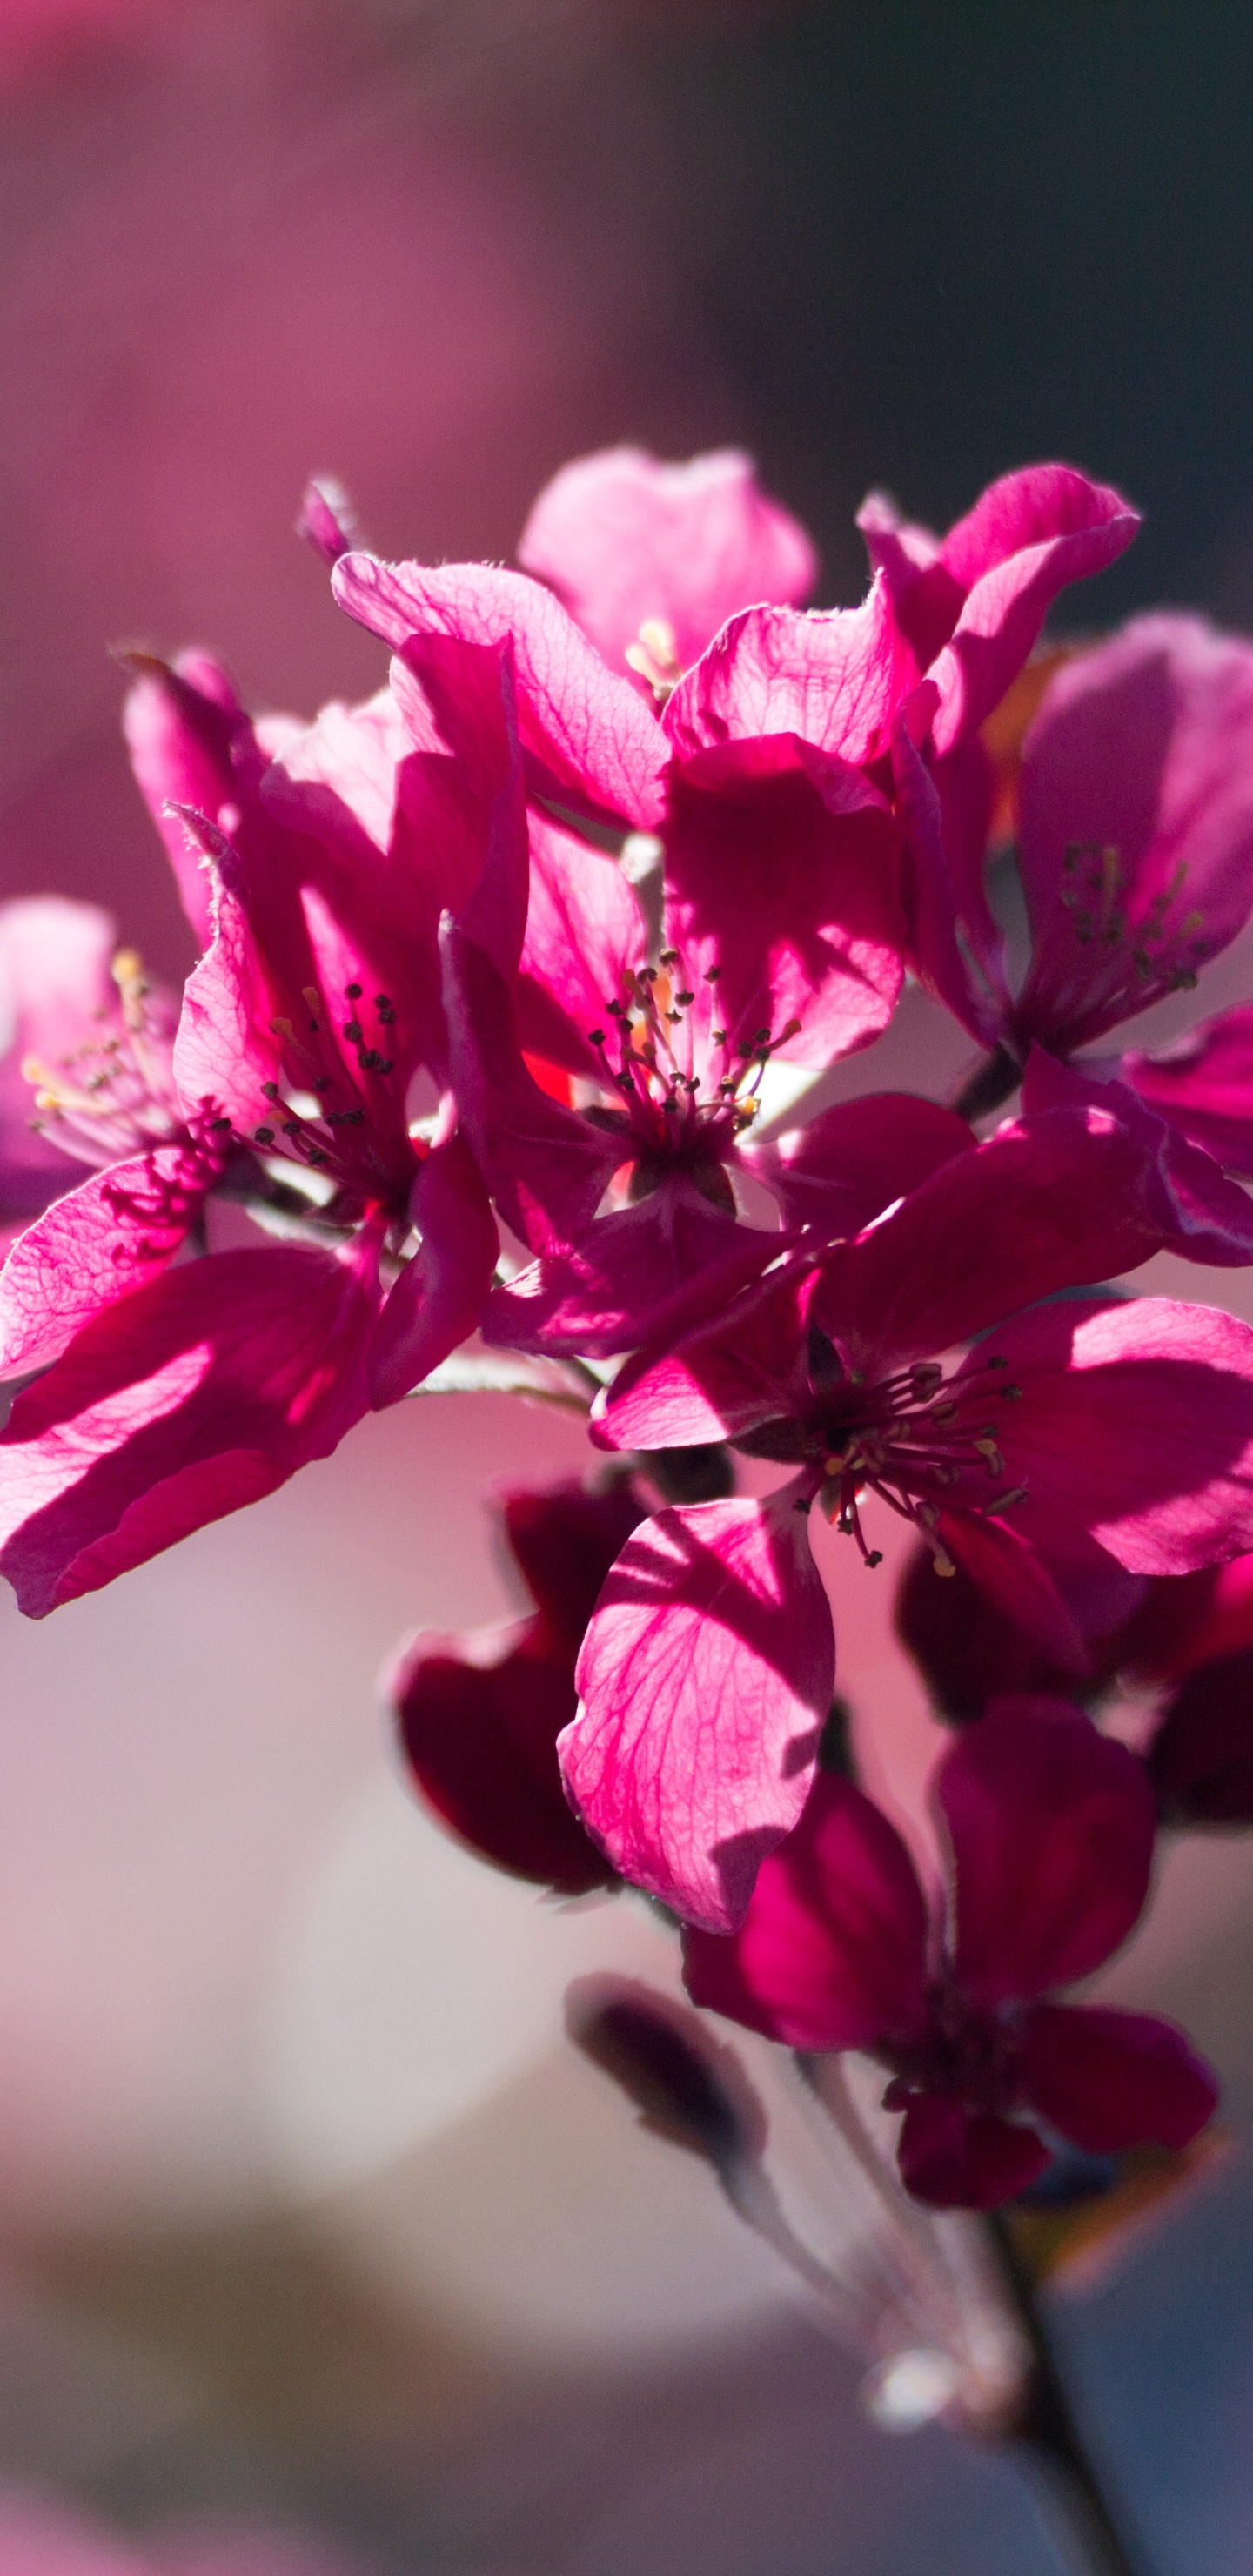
x=1203 y=1215
x=1135 y=1422
x=54 y=980
x=833 y=676
x=1201 y=1756
x=832 y=1950
x=1110 y=2080
x=479 y=1719
x=1204 y=1086
x=592 y=743
x=187 y=735
x=1051 y=1831
x=781 y=890
x=197 y=1393
x=623 y=540
x=955 y=2159
x=850 y=1162
x=439 y=1296
x=584 y=934
x=720 y=1383
x=1135 y=809
x=565 y=1538
x=704 y=1678
x=627 y=1281
x=546 y=1167
x=117 y=1230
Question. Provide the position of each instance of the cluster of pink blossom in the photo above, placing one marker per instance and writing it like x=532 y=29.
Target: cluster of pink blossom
x=498 y=971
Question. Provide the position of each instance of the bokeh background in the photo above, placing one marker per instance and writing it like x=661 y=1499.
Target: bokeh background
x=306 y=2214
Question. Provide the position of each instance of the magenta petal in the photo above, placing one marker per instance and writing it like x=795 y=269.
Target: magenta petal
x=1204 y=1086
x=627 y=1281
x=479 y=1720
x=623 y=539
x=183 y=728
x=833 y=677
x=1055 y=1201
x=1135 y=824
x=197 y=1393
x=832 y=1950
x=225 y=1050
x=943 y=961
x=1051 y=1830
x=722 y=1381
x=565 y=1538
x=781 y=883
x=965 y=1646
x=1012 y=1577
x=546 y=1167
x=1110 y=2080
x=1026 y=538
x=584 y=934
x=1135 y=1422
x=850 y=1162
x=1203 y=1216
x=113 y=1233
x=705 y=1678
x=593 y=744
x=439 y=1296
x=956 y=2159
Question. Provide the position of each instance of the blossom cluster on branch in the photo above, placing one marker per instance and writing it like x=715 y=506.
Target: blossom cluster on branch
x=505 y=976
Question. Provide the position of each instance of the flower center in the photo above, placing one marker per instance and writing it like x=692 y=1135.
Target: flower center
x=964 y=2051
x=687 y=1096
x=353 y=1133
x=655 y=656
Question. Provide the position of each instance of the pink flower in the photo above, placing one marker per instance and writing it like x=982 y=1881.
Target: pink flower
x=835 y=679
x=181 y=1393
x=56 y=999
x=479 y=1716
x=1104 y=1436
x=652 y=559
x=780 y=941
x=1134 y=846
x=1049 y=1831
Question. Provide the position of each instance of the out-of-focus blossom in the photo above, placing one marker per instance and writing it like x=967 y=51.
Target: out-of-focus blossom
x=479 y=1716
x=55 y=1001
x=1049 y=1829
x=1114 y=1438
x=651 y=559
x=42 y=2538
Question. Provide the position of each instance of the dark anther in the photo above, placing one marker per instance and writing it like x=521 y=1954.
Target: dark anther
x=269 y=1091
x=265 y=1135
x=353 y=1032
x=595 y=1037
x=353 y=992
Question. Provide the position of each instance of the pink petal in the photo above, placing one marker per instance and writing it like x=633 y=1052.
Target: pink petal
x=834 y=677
x=185 y=731
x=1110 y=2080
x=720 y=1383
x=852 y=1161
x=626 y=1283
x=584 y=934
x=1054 y=1201
x=117 y=1230
x=781 y=882
x=225 y=1050
x=593 y=744
x=623 y=539
x=439 y=1296
x=1026 y=538
x=1143 y=748
x=197 y=1393
x=1203 y=1215
x=479 y=1720
x=1051 y=1830
x=1136 y=1423
x=1204 y=1086
x=926 y=597
x=832 y=1950
x=956 y=2159
x=546 y=1167
x=943 y=961
x=326 y=519
x=705 y=1677
x=565 y=1538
